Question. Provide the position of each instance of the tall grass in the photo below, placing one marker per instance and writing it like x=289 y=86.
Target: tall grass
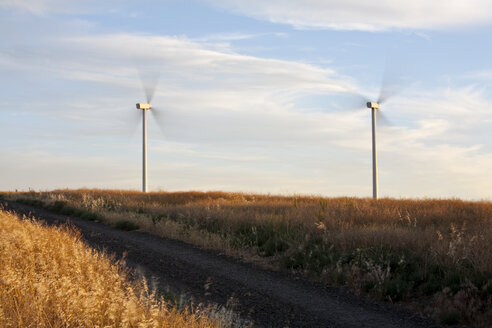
x=49 y=278
x=432 y=254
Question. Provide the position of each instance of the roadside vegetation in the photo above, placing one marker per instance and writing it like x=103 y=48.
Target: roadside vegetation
x=50 y=278
x=430 y=255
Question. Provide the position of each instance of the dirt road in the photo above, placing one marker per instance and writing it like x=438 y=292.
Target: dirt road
x=269 y=299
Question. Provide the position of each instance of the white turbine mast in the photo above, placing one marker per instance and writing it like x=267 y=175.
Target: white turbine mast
x=374 y=106
x=144 y=107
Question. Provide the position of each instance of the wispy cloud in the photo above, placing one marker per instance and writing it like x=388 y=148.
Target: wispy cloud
x=115 y=59
x=234 y=36
x=366 y=16
x=484 y=75
x=45 y=7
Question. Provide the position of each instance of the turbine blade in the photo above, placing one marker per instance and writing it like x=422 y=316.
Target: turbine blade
x=396 y=78
x=353 y=101
x=159 y=117
x=132 y=119
x=382 y=119
x=388 y=90
x=149 y=83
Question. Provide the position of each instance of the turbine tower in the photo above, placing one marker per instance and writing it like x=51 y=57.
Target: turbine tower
x=374 y=106
x=144 y=107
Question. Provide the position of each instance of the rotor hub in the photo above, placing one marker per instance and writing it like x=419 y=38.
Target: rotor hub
x=373 y=105
x=144 y=106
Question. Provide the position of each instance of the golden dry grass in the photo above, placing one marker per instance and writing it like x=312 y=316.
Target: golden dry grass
x=50 y=278
x=427 y=252
x=444 y=230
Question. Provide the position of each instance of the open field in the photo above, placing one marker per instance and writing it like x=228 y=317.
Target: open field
x=432 y=255
x=50 y=278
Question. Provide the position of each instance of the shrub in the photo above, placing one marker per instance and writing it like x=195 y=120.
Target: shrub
x=126 y=225
x=31 y=202
x=90 y=216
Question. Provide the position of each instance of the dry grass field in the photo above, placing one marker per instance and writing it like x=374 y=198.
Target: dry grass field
x=431 y=255
x=50 y=278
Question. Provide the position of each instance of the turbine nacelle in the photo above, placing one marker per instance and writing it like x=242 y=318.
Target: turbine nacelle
x=373 y=105
x=144 y=106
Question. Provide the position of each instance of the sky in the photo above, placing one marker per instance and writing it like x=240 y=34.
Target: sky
x=251 y=96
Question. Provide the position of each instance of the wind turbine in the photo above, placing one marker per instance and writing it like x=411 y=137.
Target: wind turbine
x=149 y=92
x=388 y=90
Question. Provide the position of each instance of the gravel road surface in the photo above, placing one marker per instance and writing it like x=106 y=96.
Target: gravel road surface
x=267 y=298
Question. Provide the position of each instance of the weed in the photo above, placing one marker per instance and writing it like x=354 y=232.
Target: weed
x=31 y=202
x=90 y=216
x=126 y=225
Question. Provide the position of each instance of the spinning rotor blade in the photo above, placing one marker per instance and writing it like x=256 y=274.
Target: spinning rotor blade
x=159 y=116
x=355 y=101
x=396 y=78
x=132 y=120
x=388 y=90
x=149 y=83
x=382 y=119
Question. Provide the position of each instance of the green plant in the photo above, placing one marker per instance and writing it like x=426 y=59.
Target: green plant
x=31 y=202
x=126 y=225
x=90 y=216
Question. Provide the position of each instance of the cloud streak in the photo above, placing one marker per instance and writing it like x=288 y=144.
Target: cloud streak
x=45 y=7
x=363 y=15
